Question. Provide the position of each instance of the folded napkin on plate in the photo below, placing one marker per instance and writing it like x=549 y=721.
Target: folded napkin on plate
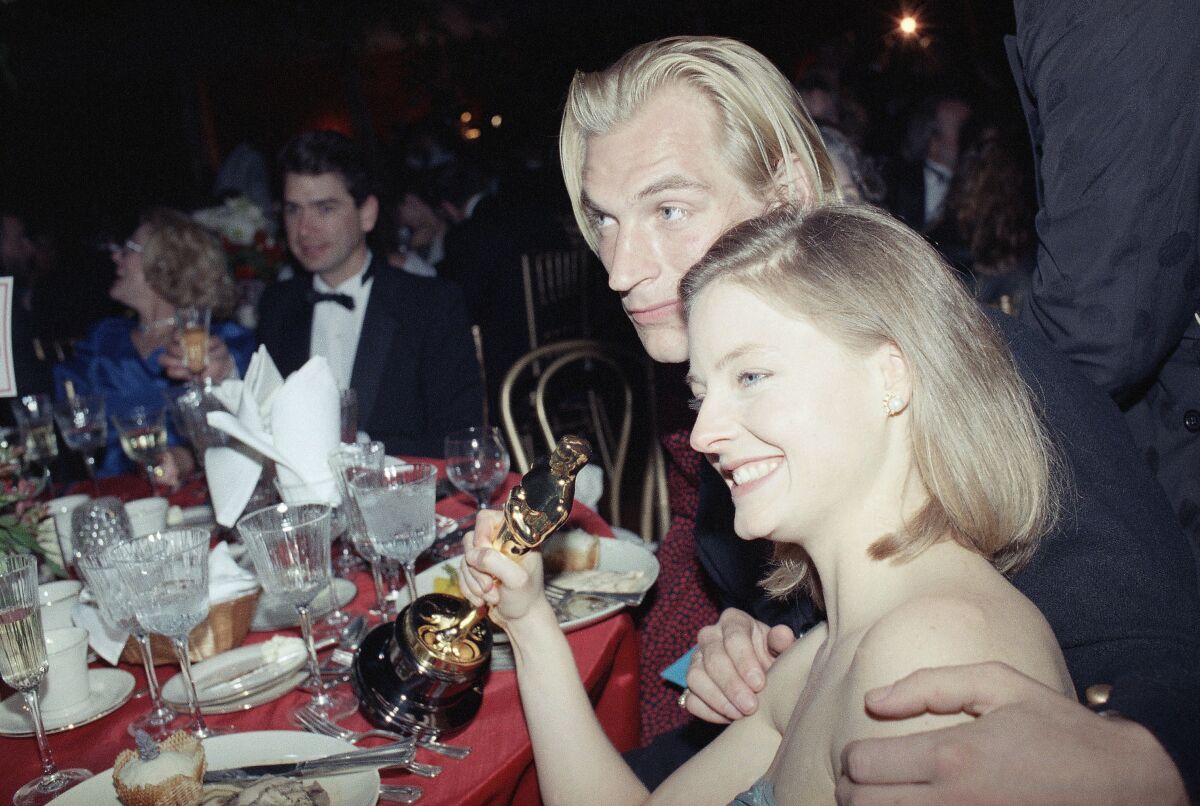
x=226 y=580
x=294 y=422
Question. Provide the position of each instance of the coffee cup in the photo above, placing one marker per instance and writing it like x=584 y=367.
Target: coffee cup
x=60 y=509
x=66 y=683
x=57 y=600
x=147 y=515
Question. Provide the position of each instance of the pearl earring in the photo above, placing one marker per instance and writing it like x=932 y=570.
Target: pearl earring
x=892 y=405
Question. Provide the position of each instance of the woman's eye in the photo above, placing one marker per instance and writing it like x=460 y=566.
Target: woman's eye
x=750 y=378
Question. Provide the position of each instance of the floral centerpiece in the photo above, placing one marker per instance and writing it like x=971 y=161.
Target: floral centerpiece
x=21 y=514
x=246 y=236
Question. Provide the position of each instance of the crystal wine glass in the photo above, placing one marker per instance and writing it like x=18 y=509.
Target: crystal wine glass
x=35 y=418
x=167 y=577
x=289 y=545
x=84 y=428
x=192 y=326
x=397 y=506
x=343 y=461
x=23 y=664
x=116 y=606
x=96 y=525
x=143 y=433
x=476 y=461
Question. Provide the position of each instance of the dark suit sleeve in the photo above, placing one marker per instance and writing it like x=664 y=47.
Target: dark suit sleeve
x=1112 y=92
x=452 y=390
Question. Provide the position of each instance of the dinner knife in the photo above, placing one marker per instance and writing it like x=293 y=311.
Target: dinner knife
x=374 y=758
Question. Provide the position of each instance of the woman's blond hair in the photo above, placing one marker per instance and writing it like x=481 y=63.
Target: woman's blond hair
x=979 y=445
x=184 y=263
x=767 y=132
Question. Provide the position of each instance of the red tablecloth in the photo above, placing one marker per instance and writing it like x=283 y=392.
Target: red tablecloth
x=500 y=770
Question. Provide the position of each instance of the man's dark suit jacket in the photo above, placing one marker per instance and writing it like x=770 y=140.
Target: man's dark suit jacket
x=1115 y=579
x=415 y=371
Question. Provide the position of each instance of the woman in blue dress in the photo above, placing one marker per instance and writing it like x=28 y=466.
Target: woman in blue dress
x=168 y=262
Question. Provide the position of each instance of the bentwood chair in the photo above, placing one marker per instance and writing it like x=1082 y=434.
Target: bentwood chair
x=601 y=392
x=557 y=285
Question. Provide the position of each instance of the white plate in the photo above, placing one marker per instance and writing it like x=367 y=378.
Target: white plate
x=273 y=614
x=615 y=555
x=110 y=689
x=242 y=749
x=274 y=680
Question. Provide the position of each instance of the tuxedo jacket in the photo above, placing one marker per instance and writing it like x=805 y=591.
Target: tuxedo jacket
x=415 y=371
x=1115 y=579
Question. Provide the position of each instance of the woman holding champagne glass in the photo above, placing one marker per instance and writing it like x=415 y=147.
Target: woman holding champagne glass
x=168 y=264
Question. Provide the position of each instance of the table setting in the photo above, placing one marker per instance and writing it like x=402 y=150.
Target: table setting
x=293 y=676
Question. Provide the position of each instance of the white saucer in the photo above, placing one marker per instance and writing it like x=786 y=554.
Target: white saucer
x=269 y=682
x=110 y=689
x=276 y=614
x=259 y=747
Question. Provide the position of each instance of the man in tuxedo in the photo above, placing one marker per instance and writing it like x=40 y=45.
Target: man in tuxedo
x=401 y=342
x=918 y=184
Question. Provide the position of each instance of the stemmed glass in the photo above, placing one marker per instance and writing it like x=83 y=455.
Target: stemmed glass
x=476 y=461
x=397 y=506
x=344 y=461
x=192 y=324
x=116 y=606
x=167 y=577
x=143 y=433
x=289 y=545
x=23 y=664
x=84 y=429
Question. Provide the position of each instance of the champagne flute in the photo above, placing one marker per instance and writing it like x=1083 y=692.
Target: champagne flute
x=143 y=433
x=397 y=506
x=116 y=606
x=289 y=545
x=476 y=461
x=167 y=577
x=192 y=323
x=23 y=664
x=84 y=428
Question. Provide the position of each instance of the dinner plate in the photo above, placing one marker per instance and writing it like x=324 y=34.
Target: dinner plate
x=242 y=749
x=109 y=690
x=614 y=555
x=217 y=695
x=276 y=614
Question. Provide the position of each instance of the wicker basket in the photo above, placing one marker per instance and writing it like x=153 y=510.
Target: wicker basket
x=225 y=628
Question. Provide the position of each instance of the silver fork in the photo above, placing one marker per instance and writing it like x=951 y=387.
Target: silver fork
x=395 y=793
x=559 y=594
x=315 y=723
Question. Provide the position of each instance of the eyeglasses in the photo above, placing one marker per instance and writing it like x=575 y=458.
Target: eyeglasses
x=129 y=246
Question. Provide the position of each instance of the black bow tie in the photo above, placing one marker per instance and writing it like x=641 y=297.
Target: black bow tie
x=314 y=296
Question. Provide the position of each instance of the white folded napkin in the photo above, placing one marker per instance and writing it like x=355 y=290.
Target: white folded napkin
x=107 y=640
x=294 y=422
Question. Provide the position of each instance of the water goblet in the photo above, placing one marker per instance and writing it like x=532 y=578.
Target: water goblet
x=143 y=433
x=476 y=461
x=343 y=461
x=84 y=428
x=35 y=419
x=96 y=525
x=192 y=327
x=166 y=574
x=23 y=664
x=397 y=506
x=289 y=545
x=189 y=405
x=116 y=607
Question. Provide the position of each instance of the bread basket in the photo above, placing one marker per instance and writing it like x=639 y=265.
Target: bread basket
x=225 y=628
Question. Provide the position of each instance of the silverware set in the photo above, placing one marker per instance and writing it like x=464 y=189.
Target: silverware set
x=560 y=598
x=314 y=723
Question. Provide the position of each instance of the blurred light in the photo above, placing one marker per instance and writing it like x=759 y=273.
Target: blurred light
x=465 y=117
x=496 y=121
x=471 y=134
x=908 y=25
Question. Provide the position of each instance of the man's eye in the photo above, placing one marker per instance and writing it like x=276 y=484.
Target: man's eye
x=694 y=403
x=672 y=213
x=325 y=209
x=601 y=220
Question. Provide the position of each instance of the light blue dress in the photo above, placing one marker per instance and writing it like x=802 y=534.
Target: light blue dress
x=761 y=794
x=107 y=362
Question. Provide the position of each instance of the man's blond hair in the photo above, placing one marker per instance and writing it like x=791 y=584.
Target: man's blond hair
x=770 y=142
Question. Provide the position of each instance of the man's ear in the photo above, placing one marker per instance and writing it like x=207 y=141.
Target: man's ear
x=791 y=183
x=368 y=214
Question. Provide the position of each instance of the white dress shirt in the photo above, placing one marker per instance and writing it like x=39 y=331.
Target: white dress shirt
x=937 y=183
x=335 y=330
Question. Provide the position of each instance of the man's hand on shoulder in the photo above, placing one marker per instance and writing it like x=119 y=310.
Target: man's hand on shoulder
x=729 y=667
x=1028 y=744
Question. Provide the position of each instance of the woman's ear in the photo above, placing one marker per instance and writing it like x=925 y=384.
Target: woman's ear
x=791 y=184
x=893 y=370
